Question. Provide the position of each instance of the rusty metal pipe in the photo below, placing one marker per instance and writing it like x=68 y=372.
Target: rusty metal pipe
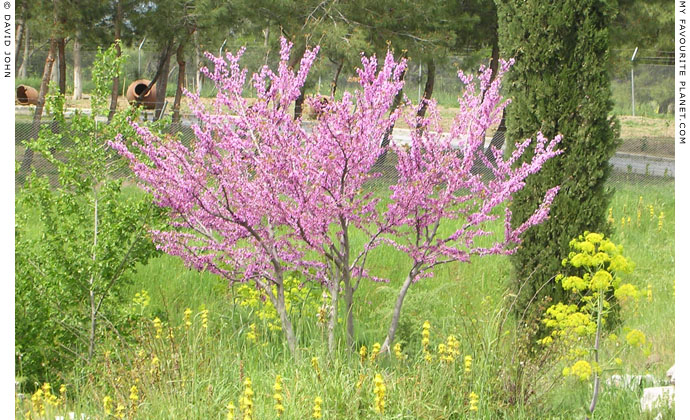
x=135 y=89
x=26 y=95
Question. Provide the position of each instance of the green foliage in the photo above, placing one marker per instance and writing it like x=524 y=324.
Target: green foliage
x=577 y=330
x=78 y=238
x=559 y=85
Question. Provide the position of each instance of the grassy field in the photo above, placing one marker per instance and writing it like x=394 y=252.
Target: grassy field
x=194 y=370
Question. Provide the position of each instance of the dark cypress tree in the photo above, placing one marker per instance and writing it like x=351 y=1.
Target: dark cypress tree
x=559 y=85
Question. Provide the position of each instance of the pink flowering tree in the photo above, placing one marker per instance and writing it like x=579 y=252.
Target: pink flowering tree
x=344 y=147
x=236 y=194
x=256 y=195
x=437 y=190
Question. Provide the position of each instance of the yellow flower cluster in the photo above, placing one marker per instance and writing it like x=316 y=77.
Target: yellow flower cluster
x=142 y=299
x=317 y=408
x=278 y=396
x=474 y=400
x=397 y=350
x=375 y=349
x=450 y=350
x=187 y=318
x=108 y=405
x=379 y=394
x=626 y=292
x=247 y=400
x=231 y=411
x=363 y=353
x=635 y=338
x=468 y=364
x=295 y=295
x=204 y=319
x=43 y=396
x=568 y=321
x=426 y=329
x=581 y=369
x=251 y=334
x=133 y=399
x=158 y=326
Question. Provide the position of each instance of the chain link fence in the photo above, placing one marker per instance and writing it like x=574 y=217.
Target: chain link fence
x=643 y=88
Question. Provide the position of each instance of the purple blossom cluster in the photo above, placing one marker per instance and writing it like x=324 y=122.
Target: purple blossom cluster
x=256 y=195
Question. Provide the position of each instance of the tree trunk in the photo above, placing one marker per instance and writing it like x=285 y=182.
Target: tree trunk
x=25 y=58
x=19 y=36
x=500 y=135
x=334 y=288
x=36 y=124
x=178 y=92
x=161 y=88
x=77 y=68
x=390 y=337
x=197 y=61
x=396 y=103
x=334 y=84
x=62 y=66
x=165 y=56
x=429 y=86
x=116 y=79
x=285 y=319
x=349 y=306
x=294 y=64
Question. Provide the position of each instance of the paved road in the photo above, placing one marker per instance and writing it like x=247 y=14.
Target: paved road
x=622 y=162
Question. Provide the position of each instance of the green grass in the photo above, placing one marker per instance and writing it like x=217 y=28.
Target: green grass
x=200 y=370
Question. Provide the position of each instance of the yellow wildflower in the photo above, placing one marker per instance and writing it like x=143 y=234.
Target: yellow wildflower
x=187 y=318
x=317 y=408
x=363 y=353
x=204 y=319
x=158 y=325
x=468 y=363
x=375 y=351
x=474 y=399
x=649 y=292
x=379 y=394
x=582 y=369
x=247 y=400
x=635 y=338
x=626 y=292
x=120 y=411
x=231 y=411
x=426 y=327
x=251 y=334
x=107 y=405
x=601 y=281
x=278 y=396
x=397 y=349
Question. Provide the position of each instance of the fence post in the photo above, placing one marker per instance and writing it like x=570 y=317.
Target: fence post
x=632 y=80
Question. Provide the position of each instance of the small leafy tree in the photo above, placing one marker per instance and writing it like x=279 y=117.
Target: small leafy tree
x=78 y=235
x=438 y=192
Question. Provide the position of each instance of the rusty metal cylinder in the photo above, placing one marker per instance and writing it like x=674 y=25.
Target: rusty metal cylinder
x=26 y=95
x=136 y=88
